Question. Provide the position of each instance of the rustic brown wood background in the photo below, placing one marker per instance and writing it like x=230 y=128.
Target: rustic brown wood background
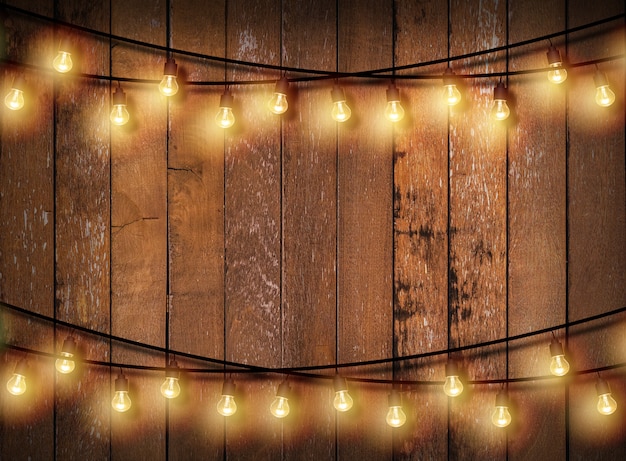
x=292 y=241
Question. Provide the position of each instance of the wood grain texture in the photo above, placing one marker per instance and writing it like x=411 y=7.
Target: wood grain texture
x=309 y=190
x=253 y=287
x=365 y=226
x=139 y=230
x=27 y=242
x=421 y=230
x=477 y=254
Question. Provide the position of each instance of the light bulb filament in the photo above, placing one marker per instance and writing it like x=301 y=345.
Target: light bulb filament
x=17 y=384
x=63 y=62
x=14 y=100
x=227 y=406
x=65 y=365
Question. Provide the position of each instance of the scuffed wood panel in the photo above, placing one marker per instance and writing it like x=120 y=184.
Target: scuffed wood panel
x=365 y=227
x=421 y=229
x=82 y=197
x=196 y=229
x=139 y=230
x=597 y=227
x=253 y=286
x=477 y=253
x=309 y=227
x=537 y=232
x=27 y=240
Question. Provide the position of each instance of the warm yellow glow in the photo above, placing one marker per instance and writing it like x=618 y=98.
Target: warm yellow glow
x=278 y=104
x=451 y=95
x=227 y=405
x=14 y=100
x=453 y=386
x=604 y=96
x=501 y=416
x=63 y=62
x=280 y=407
x=500 y=110
x=395 y=416
x=121 y=401
x=606 y=404
x=340 y=111
x=559 y=366
x=557 y=74
x=394 y=112
x=170 y=389
x=17 y=384
x=343 y=401
x=119 y=115
x=225 y=117
x=65 y=365
x=169 y=85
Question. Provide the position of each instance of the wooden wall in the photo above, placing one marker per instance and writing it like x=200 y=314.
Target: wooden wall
x=294 y=241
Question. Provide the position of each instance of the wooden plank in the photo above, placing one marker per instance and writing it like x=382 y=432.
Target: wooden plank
x=537 y=232
x=421 y=230
x=597 y=229
x=196 y=229
x=27 y=242
x=253 y=232
x=477 y=253
x=139 y=229
x=309 y=228
x=365 y=227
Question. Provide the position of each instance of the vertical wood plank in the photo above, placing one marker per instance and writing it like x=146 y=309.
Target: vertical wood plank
x=196 y=229
x=365 y=253
x=597 y=227
x=139 y=229
x=253 y=232
x=309 y=227
x=537 y=232
x=421 y=229
x=477 y=253
x=27 y=238
x=82 y=195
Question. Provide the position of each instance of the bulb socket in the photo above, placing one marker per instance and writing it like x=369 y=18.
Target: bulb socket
x=226 y=100
x=556 y=348
x=282 y=86
x=172 y=370
x=600 y=79
x=228 y=388
x=170 y=68
x=121 y=383
x=452 y=369
x=340 y=383
x=64 y=45
x=338 y=94
x=21 y=368
x=69 y=346
x=500 y=92
x=449 y=77
x=119 y=97
x=283 y=390
x=395 y=398
x=393 y=94
x=18 y=83
x=502 y=399
x=554 y=56
x=602 y=387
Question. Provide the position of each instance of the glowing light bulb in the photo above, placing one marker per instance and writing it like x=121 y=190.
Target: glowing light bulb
x=451 y=94
x=17 y=384
x=119 y=114
x=453 y=385
x=227 y=406
x=557 y=74
x=169 y=85
x=501 y=416
x=342 y=401
x=66 y=365
x=558 y=365
x=394 y=112
x=14 y=100
x=340 y=111
x=63 y=60
x=170 y=389
x=278 y=103
x=606 y=403
x=280 y=405
x=225 y=117
x=395 y=416
x=604 y=95
x=500 y=110
x=121 y=401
